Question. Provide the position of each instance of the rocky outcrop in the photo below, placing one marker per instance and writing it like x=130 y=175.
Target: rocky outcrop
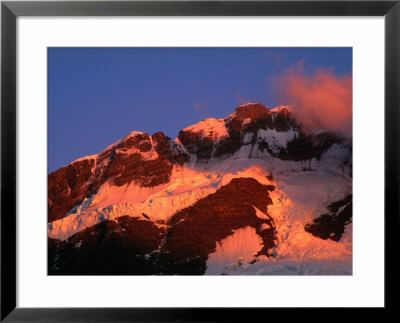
x=254 y=116
x=168 y=149
x=110 y=248
x=331 y=225
x=125 y=162
x=305 y=147
x=247 y=120
x=66 y=187
x=195 y=230
x=137 y=246
x=133 y=168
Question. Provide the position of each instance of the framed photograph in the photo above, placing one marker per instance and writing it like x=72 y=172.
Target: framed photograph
x=176 y=160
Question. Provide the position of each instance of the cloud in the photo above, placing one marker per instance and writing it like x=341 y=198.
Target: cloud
x=240 y=99
x=319 y=99
x=197 y=106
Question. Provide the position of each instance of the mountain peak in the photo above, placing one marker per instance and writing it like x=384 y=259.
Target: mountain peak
x=210 y=128
x=282 y=109
x=207 y=199
x=251 y=110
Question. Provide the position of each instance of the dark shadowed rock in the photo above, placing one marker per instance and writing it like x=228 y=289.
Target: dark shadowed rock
x=196 y=229
x=249 y=119
x=119 y=164
x=331 y=225
x=305 y=147
x=109 y=248
x=130 y=245
x=66 y=187
x=140 y=141
x=134 y=246
x=253 y=111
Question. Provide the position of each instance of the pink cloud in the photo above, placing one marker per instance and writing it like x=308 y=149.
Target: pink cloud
x=197 y=106
x=240 y=99
x=318 y=99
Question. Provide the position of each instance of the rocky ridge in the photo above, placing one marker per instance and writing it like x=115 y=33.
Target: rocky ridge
x=135 y=243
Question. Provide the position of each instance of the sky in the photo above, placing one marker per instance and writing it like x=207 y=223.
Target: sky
x=98 y=95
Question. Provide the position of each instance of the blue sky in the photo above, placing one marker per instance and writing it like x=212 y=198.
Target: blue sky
x=98 y=95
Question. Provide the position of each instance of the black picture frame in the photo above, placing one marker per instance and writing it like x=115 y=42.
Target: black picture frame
x=10 y=10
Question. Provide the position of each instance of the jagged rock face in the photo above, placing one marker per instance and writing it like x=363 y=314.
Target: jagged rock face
x=127 y=166
x=139 y=141
x=173 y=227
x=196 y=229
x=304 y=147
x=130 y=160
x=109 y=248
x=66 y=187
x=252 y=117
x=169 y=150
x=130 y=245
x=248 y=120
x=148 y=161
x=254 y=111
x=331 y=225
x=132 y=168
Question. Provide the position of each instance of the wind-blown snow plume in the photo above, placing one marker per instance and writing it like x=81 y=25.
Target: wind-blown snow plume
x=320 y=99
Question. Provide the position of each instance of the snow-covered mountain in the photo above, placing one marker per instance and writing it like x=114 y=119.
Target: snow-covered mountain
x=252 y=193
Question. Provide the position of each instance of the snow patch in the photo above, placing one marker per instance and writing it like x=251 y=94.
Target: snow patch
x=211 y=128
x=265 y=266
x=159 y=203
x=294 y=243
x=130 y=135
x=299 y=197
x=260 y=214
x=91 y=157
x=280 y=108
x=246 y=121
x=235 y=249
x=248 y=138
x=265 y=226
x=276 y=139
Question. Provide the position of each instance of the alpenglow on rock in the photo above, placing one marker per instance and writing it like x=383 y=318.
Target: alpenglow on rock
x=150 y=204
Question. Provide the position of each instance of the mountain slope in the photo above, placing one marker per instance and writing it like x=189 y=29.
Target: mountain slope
x=255 y=173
